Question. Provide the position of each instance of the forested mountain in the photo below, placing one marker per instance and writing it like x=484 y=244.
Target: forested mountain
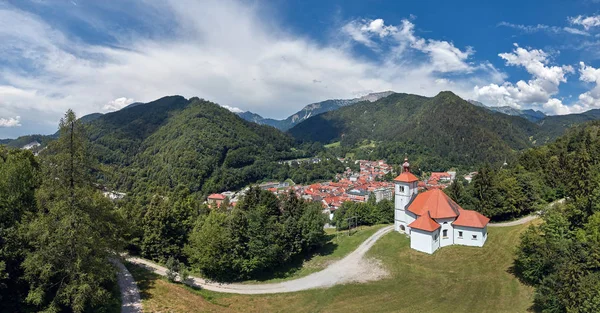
x=311 y=110
x=445 y=127
x=554 y=126
x=441 y=131
x=192 y=143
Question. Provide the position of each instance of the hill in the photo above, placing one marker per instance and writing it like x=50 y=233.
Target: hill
x=311 y=110
x=192 y=143
x=468 y=275
x=552 y=127
x=442 y=127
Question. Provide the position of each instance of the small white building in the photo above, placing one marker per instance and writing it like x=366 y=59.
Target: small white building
x=432 y=219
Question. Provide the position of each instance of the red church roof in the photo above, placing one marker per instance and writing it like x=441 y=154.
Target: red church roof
x=471 y=219
x=424 y=222
x=436 y=202
x=406 y=177
x=216 y=196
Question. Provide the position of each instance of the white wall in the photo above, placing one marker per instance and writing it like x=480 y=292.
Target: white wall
x=446 y=224
x=424 y=241
x=467 y=236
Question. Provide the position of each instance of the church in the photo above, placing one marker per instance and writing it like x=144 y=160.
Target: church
x=432 y=219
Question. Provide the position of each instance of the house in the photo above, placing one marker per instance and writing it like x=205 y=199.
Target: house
x=431 y=219
x=215 y=199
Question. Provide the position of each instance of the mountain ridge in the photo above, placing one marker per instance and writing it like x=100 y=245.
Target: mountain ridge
x=311 y=110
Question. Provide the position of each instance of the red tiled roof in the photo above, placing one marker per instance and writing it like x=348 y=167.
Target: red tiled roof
x=471 y=219
x=406 y=177
x=436 y=202
x=439 y=175
x=216 y=196
x=424 y=222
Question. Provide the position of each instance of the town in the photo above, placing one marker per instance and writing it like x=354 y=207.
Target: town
x=347 y=186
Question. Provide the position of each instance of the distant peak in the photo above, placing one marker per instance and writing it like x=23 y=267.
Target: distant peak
x=446 y=93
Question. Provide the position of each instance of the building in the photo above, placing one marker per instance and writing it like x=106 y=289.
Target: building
x=431 y=219
x=383 y=193
x=215 y=199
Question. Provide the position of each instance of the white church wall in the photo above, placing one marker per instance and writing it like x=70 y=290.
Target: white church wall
x=424 y=241
x=446 y=225
x=475 y=237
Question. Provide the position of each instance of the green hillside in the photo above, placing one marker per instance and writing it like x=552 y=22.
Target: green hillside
x=445 y=127
x=191 y=143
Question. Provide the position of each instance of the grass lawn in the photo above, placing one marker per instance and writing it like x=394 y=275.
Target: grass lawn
x=454 y=279
x=332 y=145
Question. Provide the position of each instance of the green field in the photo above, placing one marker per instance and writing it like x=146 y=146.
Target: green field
x=454 y=279
x=332 y=145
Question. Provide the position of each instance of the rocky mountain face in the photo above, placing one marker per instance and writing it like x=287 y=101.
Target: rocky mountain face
x=529 y=114
x=311 y=110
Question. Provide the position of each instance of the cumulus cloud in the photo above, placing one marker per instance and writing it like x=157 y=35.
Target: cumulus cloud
x=444 y=56
x=586 y=21
x=10 y=122
x=538 y=90
x=590 y=99
x=224 y=51
x=117 y=104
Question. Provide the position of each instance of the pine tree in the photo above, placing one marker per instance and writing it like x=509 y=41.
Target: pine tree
x=74 y=232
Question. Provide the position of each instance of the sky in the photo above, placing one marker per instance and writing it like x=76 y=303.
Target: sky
x=274 y=57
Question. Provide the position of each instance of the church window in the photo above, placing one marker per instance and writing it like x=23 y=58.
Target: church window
x=474 y=237
x=401 y=188
x=460 y=234
x=435 y=237
x=445 y=223
x=445 y=233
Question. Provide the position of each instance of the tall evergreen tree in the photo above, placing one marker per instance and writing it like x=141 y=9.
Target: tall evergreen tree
x=74 y=232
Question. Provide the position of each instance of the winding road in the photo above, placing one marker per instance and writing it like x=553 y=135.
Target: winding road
x=352 y=268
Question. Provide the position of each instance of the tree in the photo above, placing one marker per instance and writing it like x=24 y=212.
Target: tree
x=20 y=178
x=74 y=232
x=456 y=190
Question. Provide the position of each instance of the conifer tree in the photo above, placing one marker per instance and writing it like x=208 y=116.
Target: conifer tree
x=73 y=234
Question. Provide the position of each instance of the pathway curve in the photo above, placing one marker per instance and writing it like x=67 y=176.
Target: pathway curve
x=525 y=219
x=352 y=268
x=130 y=294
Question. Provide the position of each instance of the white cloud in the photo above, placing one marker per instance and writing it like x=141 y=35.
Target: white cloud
x=444 y=56
x=538 y=90
x=233 y=109
x=10 y=122
x=117 y=104
x=586 y=21
x=576 y=31
x=544 y=28
x=223 y=51
x=590 y=99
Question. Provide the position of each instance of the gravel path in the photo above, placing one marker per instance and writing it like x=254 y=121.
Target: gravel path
x=520 y=221
x=525 y=219
x=130 y=294
x=352 y=268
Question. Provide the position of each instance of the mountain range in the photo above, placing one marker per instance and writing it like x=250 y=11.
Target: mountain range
x=202 y=141
x=311 y=110
x=531 y=115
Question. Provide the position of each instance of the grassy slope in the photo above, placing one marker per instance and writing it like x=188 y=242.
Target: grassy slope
x=454 y=279
x=339 y=244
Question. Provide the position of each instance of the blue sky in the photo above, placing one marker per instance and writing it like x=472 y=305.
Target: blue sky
x=274 y=57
